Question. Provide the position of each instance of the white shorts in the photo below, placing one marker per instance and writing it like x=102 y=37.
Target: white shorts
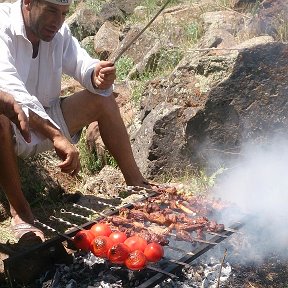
x=25 y=150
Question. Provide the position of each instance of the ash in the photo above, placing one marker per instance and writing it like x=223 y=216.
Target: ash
x=201 y=276
x=88 y=271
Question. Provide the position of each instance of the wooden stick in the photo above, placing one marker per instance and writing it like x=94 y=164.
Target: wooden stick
x=221 y=266
x=123 y=48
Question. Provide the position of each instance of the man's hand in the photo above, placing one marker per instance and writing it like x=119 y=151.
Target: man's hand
x=68 y=153
x=104 y=74
x=12 y=110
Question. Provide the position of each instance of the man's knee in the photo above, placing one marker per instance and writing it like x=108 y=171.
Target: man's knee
x=104 y=105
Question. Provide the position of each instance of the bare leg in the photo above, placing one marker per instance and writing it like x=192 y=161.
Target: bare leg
x=83 y=107
x=9 y=175
x=10 y=179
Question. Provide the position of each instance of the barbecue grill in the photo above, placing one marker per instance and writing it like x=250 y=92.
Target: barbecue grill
x=23 y=268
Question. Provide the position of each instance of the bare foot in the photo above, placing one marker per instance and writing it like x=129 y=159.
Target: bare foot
x=26 y=231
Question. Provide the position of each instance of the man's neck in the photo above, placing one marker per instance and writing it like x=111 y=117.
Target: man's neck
x=35 y=49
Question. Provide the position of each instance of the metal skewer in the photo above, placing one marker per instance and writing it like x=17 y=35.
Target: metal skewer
x=232 y=230
x=216 y=234
x=52 y=229
x=194 y=239
x=177 y=262
x=91 y=210
x=61 y=220
x=63 y=211
x=172 y=276
x=98 y=212
x=180 y=250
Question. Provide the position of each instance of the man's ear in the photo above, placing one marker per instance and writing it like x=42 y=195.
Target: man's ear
x=27 y=4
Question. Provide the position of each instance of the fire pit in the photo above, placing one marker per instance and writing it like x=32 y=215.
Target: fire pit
x=188 y=235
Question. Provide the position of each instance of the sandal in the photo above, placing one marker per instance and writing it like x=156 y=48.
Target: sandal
x=26 y=231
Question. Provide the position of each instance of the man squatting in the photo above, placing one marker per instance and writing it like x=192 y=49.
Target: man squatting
x=36 y=48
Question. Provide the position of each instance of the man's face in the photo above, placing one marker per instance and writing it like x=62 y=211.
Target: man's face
x=44 y=19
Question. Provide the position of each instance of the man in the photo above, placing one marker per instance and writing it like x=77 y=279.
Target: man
x=36 y=48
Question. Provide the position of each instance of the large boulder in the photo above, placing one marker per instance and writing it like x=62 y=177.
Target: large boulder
x=84 y=22
x=250 y=105
x=221 y=101
x=106 y=40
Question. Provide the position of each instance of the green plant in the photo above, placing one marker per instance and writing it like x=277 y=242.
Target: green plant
x=72 y=8
x=195 y=181
x=91 y=162
x=95 y=5
x=193 y=31
x=151 y=8
x=89 y=47
x=138 y=86
x=123 y=67
x=167 y=60
x=281 y=29
x=137 y=90
x=154 y=5
x=162 y=65
x=255 y=7
x=224 y=3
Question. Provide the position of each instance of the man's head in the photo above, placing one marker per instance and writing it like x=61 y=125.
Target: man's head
x=43 y=18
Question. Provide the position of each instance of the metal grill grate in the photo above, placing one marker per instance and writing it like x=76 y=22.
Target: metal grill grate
x=52 y=251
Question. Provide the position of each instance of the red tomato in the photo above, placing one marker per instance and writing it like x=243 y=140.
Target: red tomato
x=136 y=260
x=83 y=239
x=100 y=229
x=154 y=252
x=118 y=253
x=100 y=246
x=136 y=243
x=118 y=237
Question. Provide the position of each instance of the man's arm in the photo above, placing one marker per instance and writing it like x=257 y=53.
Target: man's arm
x=12 y=110
x=64 y=149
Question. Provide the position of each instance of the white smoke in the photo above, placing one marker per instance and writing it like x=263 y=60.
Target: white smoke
x=259 y=186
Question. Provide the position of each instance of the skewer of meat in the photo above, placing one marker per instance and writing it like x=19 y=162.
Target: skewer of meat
x=141 y=230
x=166 y=219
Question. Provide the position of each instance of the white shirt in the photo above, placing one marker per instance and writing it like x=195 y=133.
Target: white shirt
x=61 y=55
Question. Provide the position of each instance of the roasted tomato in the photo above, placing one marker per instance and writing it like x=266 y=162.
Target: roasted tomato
x=136 y=243
x=118 y=253
x=154 y=252
x=136 y=260
x=100 y=229
x=83 y=239
x=118 y=237
x=100 y=246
